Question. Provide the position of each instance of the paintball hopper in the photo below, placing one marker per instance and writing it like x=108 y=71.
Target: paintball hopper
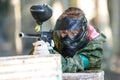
x=41 y=13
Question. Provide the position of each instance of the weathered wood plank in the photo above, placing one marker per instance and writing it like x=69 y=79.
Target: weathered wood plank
x=87 y=75
x=39 y=67
x=31 y=67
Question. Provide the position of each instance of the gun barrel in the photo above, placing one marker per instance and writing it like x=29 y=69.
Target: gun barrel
x=25 y=35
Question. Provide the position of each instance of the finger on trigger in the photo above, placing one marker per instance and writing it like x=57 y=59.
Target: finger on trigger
x=38 y=43
x=39 y=48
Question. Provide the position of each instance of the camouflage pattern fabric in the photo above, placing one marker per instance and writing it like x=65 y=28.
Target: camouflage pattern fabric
x=93 y=51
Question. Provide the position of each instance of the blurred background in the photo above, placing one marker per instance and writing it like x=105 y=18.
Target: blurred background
x=15 y=17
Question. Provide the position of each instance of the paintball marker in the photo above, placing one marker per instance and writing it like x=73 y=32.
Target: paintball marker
x=40 y=13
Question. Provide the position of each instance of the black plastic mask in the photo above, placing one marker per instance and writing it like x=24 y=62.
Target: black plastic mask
x=70 y=46
x=68 y=23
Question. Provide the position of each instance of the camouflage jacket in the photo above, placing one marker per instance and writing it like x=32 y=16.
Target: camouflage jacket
x=93 y=51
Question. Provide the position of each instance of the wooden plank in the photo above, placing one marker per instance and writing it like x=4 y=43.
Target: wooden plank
x=87 y=75
x=31 y=67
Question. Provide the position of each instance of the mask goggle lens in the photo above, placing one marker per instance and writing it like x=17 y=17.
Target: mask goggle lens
x=69 y=33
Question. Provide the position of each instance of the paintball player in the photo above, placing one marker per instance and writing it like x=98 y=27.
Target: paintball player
x=79 y=43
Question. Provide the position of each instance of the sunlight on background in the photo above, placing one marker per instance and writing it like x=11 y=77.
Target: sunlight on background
x=57 y=11
x=88 y=7
x=103 y=9
x=17 y=12
x=104 y=20
x=14 y=2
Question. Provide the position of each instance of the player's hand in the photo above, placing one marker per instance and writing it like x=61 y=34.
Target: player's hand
x=40 y=47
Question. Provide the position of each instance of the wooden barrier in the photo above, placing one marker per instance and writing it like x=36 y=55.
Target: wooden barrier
x=31 y=67
x=87 y=75
x=38 y=67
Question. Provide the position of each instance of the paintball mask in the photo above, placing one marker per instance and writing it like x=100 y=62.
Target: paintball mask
x=69 y=46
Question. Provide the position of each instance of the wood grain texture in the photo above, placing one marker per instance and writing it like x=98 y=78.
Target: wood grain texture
x=31 y=67
x=86 y=75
